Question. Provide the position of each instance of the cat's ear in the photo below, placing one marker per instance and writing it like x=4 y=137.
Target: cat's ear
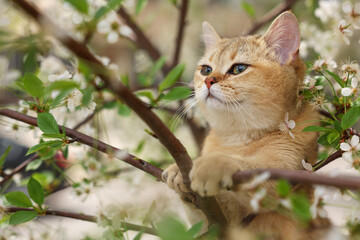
x=284 y=37
x=210 y=35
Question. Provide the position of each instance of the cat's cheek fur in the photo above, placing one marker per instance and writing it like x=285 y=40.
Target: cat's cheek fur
x=212 y=173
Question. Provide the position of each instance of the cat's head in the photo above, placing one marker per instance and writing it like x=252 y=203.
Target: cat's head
x=250 y=81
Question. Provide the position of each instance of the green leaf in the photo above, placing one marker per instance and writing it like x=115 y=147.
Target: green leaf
x=123 y=110
x=36 y=191
x=4 y=155
x=40 y=146
x=301 y=207
x=33 y=85
x=172 y=77
x=87 y=96
x=140 y=5
x=195 y=229
x=177 y=93
x=47 y=123
x=323 y=140
x=283 y=188
x=18 y=199
x=105 y=9
x=148 y=94
x=34 y=165
x=170 y=228
x=316 y=129
x=138 y=236
x=30 y=60
x=336 y=78
x=150 y=78
x=337 y=126
x=22 y=217
x=54 y=135
x=248 y=8
x=350 y=117
x=80 y=5
x=333 y=136
x=62 y=85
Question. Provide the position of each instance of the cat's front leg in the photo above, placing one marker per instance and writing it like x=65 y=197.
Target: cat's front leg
x=173 y=178
x=212 y=173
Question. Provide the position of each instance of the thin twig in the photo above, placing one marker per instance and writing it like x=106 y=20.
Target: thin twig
x=84 y=217
x=282 y=7
x=86 y=120
x=87 y=140
x=19 y=168
x=180 y=32
x=331 y=158
x=340 y=181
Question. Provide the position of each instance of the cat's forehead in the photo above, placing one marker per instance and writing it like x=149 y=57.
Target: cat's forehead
x=233 y=50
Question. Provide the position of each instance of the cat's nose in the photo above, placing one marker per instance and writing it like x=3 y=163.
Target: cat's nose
x=210 y=81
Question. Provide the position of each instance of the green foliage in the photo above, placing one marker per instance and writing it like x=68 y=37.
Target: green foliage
x=172 y=229
x=177 y=93
x=350 y=117
x=316 y=129
x=172 y=77
x=47 y=123
x=62 y=85
x=22 y=217
x=36 y=191
x=40 y=146
x=283 y=188
x=18 y=199
x=336 y=78
x=4 y=155
x=34 y=165
x=123 y=110
x=140 y=5
x=248 y=8
x=112 y=5
x=80 y=5
x=301 y=207
x=33 y=85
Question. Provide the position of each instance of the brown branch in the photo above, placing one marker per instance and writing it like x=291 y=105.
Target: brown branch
x=180 y=32
x=141 y=40
x=84 y=217
x=19 y=168
x=89 y=141
x=304 y=177
x=166 y=137
x=331 y=158
x=282 y=7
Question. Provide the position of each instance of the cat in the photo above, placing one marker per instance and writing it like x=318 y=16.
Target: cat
x=247 y=88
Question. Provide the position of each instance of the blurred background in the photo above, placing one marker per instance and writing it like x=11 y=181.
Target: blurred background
x=103 y=184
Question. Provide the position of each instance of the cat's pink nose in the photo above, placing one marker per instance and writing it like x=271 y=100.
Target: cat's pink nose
x=210 y=81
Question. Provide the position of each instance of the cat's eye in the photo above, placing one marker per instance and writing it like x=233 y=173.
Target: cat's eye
x=206 y=70
x=237 y=68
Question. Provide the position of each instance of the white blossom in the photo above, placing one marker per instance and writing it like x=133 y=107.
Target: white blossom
x=310 y=84
x=287 y=126
x=327 y=11
x=324 y=63
x=314 y=209
x=348 y=91
x=257 y=180
x=350 y=149
x=74 y=100
x=307 y=166
x=255 y=200
x=353 y=12
x=63 y=76
x=344 y=31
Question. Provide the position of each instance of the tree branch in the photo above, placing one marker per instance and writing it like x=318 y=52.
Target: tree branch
x=141 y=41
x=84 y=217
x=180 y=32
x=89 y=141
x=304 y=177
x=282 y=7
x=19 y=168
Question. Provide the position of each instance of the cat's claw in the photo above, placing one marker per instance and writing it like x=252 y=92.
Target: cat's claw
x=173 y=178
x=210 y=175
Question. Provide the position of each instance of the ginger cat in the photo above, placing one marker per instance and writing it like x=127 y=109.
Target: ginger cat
x=245 y=86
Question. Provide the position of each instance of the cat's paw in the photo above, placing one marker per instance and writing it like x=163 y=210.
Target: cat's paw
x=173 y=178
x=212 y=173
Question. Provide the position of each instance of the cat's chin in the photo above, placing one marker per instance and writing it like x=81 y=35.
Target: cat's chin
x=215 y=102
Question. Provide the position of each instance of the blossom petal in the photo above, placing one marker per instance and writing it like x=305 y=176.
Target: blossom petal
x=346 y=92
x=347 y=156
x=347 y=7
x=291 y=135
x=291 y=124
x=345 y=146
x=286 y=117
x=354 y=82
x=307 y=166
x=354 y=141
x=112 y=37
